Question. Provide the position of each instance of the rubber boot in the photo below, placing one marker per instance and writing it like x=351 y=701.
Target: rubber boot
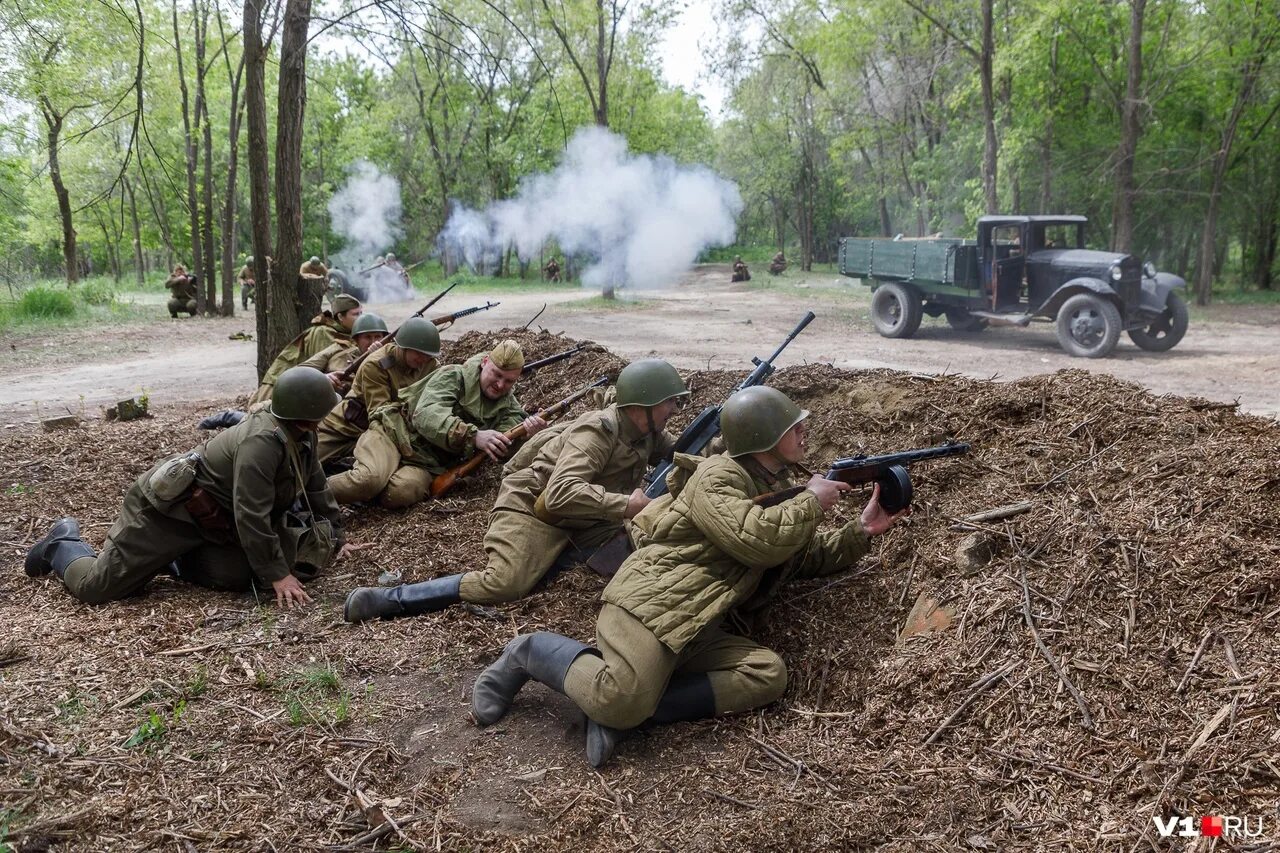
x=56 y=550
x=688 y=697
x=226 y=418
x=542 y=656
x=408 y=599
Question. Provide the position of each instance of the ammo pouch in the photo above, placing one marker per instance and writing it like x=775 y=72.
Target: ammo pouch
x=207 y=512
x=356 y=413
x=310 y=538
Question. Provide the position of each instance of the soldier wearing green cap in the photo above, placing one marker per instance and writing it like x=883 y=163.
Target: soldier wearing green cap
x=660 y=653
x=435 y=423
x=399 y=364
x=218 y=515
x=574 y=495
x=327 y=327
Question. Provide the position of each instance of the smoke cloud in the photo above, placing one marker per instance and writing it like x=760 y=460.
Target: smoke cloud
x=633 y=220
x=366 y=213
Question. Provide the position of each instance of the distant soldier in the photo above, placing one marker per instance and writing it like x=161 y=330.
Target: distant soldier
x=778 y=264
x=182 y=292
x=326 y=328
x=396 y=267
x=552 y=269
x=572 y=497
x=378 y=382
x=248 y=287
x=218 y=515
x=740 y=271
x=313 y=269
x=437 y=422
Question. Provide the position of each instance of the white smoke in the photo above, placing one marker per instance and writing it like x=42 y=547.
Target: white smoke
x=366 y=213
x=634 y=220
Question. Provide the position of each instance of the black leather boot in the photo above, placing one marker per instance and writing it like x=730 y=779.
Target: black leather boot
x=56 y=550
x=542 y=656
x=688 y=697
x=225 y=418
x=409 y=599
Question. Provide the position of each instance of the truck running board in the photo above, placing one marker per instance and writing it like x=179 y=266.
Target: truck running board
x=1002 y=319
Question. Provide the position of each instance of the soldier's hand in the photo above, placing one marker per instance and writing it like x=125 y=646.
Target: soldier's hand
x=874 y=518
x=533 y=424
x=828 y=491
x=493 y=444
x=637 y=501
x=335 y=379
x=289 y=592
x=352 y=548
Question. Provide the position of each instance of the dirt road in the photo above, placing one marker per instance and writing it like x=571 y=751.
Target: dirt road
x=702 y=322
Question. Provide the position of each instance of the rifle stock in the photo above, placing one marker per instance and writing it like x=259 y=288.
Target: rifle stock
x=350 y=372
x=446 y=481
x=889 y=470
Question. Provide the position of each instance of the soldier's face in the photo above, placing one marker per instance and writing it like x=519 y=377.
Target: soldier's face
x=416 y=360
x=794 y=443
x=348 y=318
x=496 y=382
x=367 y=339
x=664 y=410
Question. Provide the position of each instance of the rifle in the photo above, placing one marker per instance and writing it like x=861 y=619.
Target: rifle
x=372 y=268
x=444 y=321
x=889 y=470
x=696 y=436
x=355 y=365
x=446 y=481
x=415 y=264
x=551 y=359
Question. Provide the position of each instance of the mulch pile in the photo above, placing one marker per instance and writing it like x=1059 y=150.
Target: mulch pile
x=1098 y=652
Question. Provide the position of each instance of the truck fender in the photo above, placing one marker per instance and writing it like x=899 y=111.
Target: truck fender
x=1070 y=289
x=1155 y=291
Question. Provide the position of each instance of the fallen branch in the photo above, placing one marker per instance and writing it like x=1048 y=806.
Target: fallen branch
x=977 y=688
x=1087 y=720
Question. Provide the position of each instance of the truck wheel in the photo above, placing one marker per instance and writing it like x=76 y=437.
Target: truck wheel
x=962 y=321
x=896 y=310
x=1164 y=332
x=1088 y=326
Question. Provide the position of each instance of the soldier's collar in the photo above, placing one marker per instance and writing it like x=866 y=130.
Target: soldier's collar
x=759 y=472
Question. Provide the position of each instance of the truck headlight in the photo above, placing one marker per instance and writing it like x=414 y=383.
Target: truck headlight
x=1115 y=272
x=1149 y=269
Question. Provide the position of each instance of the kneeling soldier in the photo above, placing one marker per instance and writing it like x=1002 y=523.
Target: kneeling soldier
x=219 y=511
x=438 y=422
x=572 y=498
x=660 y=653
x=368 y=329
x=399 y=364
x=326 y=328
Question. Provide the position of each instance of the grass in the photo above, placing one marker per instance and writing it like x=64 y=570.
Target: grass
x=599 y=303
x=317 y=695
x=48 y=305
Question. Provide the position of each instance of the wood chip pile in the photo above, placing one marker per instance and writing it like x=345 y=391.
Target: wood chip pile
x=1099 y=652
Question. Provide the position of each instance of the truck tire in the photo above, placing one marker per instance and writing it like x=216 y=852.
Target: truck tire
x=1088 y=326
x=1165 y=331
x=896 y=310
x=962 y=321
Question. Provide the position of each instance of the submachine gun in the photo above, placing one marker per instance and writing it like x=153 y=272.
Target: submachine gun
x=695 y=438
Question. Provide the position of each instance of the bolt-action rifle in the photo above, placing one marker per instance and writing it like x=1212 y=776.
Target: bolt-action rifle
x=695 y=438
x=444 y=321
x=387 y=338
x=551 y=359
x=446 y=481
x=889 y=470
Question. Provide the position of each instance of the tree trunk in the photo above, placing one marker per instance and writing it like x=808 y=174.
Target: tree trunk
x=990 y=146
x=207 y=207
x=192 y=156
x=54 y=122
x=1266 y=256
x=1130 y=133
x=290 y=109
x=602 y=69
x=277 y=321
x=236 y=115
x=139 y=263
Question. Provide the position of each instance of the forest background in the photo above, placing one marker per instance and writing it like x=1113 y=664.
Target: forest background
x=135 y=134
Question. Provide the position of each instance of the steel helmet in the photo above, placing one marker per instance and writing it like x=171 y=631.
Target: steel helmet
x=302 y=394
x=390 y=257
x=754 y=419
x=314 y=260
x=367 y=323
x=648 y=382
x=249 y=259
x=419 y=335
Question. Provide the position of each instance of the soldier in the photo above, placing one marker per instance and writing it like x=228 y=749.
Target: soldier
x=740 y=271
x=552 y=269
x=182 y=292
x=313 y=269
x=778 y=264
x=400 y=363
x=219 y=511
x=248 y=287
x=571 y=499
x=396 y=267
x=436 y=423
x=327 y=327
x=660 y=652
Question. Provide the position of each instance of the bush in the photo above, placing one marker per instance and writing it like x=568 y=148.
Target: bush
x=44 y=303
x=97 y=292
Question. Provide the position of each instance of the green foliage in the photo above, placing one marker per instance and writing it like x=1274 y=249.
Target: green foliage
x=97 y=291
x=316 y=695
x=150 y=732
x=44 y=303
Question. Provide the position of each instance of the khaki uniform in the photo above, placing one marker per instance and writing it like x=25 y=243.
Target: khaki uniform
x=334 y=358
x=248 y=473
x=574 y=492
x=248 y=287
x=430 y=428
x=324 y=331
x=740 y=272
x=377 y=383
x=316 y=270
x=182 y=295
x=713 y=550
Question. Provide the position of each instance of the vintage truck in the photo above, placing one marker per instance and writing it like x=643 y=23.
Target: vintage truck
x=1020 y=269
